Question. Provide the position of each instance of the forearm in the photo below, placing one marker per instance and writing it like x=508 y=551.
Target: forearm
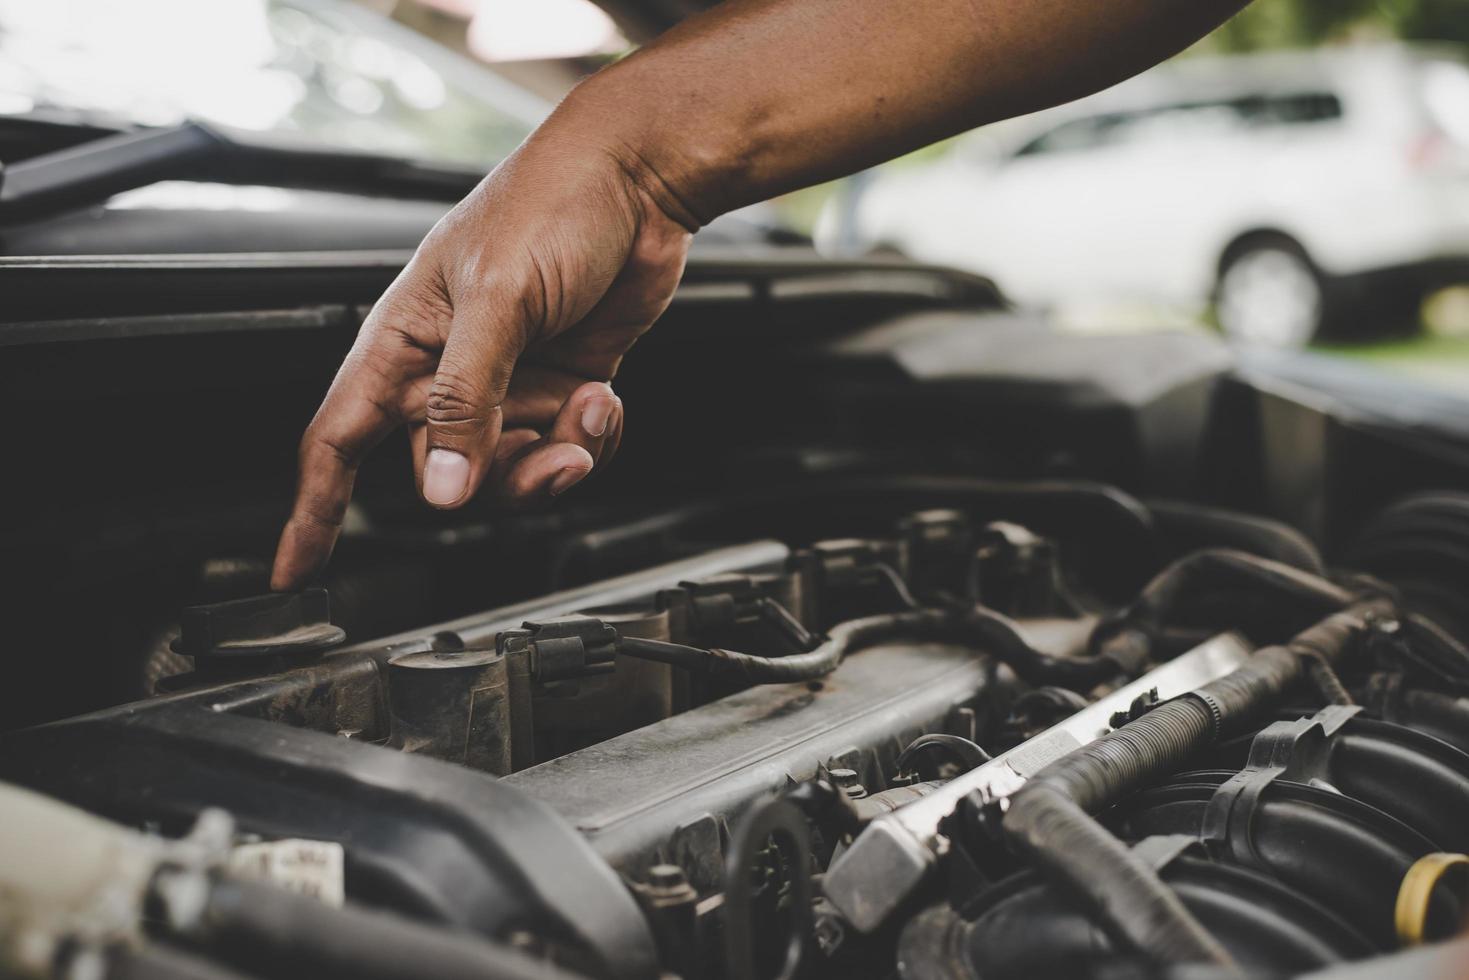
x=759 y=97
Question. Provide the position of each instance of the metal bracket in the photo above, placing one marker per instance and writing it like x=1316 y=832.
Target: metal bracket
x=891 y=858
x=1298 y=751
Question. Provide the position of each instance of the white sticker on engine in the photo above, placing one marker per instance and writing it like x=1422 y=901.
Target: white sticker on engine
x=1029 y=758
x=307 y=867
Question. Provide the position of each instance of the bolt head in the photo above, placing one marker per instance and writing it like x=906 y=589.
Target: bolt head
x=1387 y=625
x=666 y=876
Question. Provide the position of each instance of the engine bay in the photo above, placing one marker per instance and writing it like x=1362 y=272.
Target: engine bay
x=914 y=640
x=937 y=746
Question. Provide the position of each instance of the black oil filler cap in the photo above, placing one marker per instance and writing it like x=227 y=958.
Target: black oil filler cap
x=280 y=623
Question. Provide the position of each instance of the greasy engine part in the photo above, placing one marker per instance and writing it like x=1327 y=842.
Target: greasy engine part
x=290 y=755
x=1292 y=813
x=119 y=896
x=451 y=704
x=254 y=635
x=974 y=626
x=1316 y=795
x=1050 y=817
x=833 y=759
x=667 y=793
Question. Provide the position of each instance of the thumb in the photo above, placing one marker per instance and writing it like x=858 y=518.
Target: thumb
x=462 y=411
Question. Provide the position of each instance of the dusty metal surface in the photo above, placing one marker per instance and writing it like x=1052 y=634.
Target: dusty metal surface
x=895 y=853
x=638 y=795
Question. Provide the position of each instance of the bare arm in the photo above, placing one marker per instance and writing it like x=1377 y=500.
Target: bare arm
x=496 y=346
x=761 y=97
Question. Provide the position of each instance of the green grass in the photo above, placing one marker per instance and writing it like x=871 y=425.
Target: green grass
x=1442 y=361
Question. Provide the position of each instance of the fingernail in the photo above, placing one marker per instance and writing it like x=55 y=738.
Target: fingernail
x=445 y=477
x=595 y=415
x=566 y=479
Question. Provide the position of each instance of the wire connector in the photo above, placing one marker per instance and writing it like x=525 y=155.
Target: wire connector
x=563 y=648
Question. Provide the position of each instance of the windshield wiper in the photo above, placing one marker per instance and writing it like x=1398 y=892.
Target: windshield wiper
x=93 y=171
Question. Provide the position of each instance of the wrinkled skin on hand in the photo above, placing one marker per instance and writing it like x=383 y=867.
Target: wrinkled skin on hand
x=496 y=345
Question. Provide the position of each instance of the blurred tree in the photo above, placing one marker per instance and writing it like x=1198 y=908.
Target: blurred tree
x=1296 y=23
x=1446 y=20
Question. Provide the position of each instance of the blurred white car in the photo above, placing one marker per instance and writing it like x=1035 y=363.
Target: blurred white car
x=1299 y=193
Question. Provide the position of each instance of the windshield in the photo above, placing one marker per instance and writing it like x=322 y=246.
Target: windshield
x=333 y=73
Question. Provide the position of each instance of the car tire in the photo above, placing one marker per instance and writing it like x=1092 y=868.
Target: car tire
x=1270 y=294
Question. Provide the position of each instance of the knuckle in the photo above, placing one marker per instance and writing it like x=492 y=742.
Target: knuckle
x=379 y=359
x=318 y=515
x=317 y=446
x=416 y=307
x=451 y=401
x=312 y=447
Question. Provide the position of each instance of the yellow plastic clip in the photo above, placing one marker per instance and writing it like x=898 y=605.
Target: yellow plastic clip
x=1416 y=891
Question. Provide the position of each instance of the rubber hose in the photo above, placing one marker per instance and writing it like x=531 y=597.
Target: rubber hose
x=1050 y=817
x=1187 y=527
x=1326 y=681
x=272 y=931
x=155 y=962
x=997 y=635
x=1079 y=853
x=1443 y=716
x=1147 y=619
x=1447 y=653
x=1224 y=567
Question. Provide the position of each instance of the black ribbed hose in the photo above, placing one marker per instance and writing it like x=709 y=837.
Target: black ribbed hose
x=1050 y=817
x=1325 y=679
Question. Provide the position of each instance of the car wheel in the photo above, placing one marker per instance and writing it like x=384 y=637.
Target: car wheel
x=1270 y=295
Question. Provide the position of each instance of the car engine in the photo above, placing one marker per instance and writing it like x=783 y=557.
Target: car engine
x=949 y=647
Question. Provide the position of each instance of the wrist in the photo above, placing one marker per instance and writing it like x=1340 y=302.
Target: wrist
x=692 y=164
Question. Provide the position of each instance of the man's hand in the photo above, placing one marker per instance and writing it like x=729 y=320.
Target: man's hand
x=495 y=346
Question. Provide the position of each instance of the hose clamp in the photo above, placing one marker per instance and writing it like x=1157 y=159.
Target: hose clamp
x=1415 y=894
x=1216 y=711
